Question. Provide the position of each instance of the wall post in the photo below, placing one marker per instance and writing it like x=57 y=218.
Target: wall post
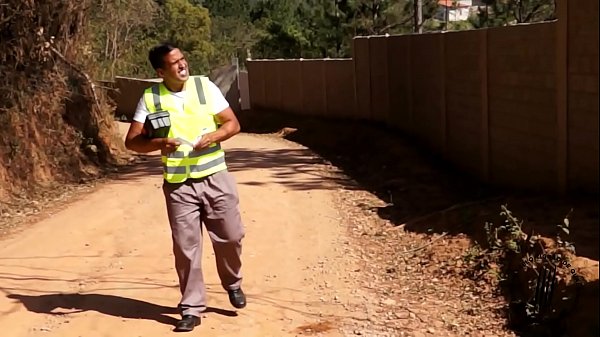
x=443 y=108
x=562 y=25
x=485 y=110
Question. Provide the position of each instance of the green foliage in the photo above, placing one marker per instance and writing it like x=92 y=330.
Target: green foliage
x=231 y=37
x=503 y=242
x=119 y=36
x=232 y=33
x=122 y=32
x=325 y=28
x=282 y=29
x=508 y=236
x=528 y=274
x=377 y=17
x=226 y=8
x=508 y=12
x=188 y=26
x=562 y=232
x=212 y=32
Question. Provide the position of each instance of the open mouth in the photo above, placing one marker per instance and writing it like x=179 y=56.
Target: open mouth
x=183 y=72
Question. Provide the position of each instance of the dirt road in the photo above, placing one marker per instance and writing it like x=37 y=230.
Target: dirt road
x=103 y=265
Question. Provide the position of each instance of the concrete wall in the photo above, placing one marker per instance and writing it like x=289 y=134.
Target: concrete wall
x=244 y=90
x=309 y=87
x=522 y=105
x=516 y=106
x=582 y=85
x=465 y=63
x=129 y=91
x=126 y=92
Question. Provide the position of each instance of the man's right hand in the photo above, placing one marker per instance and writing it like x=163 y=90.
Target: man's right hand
x=136 y=141
x=169 y=145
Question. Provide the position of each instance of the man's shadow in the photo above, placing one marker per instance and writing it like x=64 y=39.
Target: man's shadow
x=105 y=304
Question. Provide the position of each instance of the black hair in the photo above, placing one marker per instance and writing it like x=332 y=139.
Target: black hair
x=157 y=53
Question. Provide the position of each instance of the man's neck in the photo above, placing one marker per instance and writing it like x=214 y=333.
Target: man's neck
x=174 y=87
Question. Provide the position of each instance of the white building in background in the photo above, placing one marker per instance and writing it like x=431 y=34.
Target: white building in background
x=457 y=10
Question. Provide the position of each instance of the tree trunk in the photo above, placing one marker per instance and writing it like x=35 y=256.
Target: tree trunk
x=418 y=16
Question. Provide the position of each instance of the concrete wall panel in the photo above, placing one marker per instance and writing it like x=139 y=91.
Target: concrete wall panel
x=380 y=98
x=400 y=82
x=428 y=88
x=339 y=76
x=464 y=94
x=313 y=87
x=582 y=77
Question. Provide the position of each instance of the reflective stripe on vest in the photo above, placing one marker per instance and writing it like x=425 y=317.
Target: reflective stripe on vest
x=186 y=162
x=194 y=154
x=194 y=168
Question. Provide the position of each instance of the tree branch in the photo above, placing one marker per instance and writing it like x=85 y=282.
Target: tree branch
x=7 y=19
x=532 y=13
x=87 y=77
x=394 y=25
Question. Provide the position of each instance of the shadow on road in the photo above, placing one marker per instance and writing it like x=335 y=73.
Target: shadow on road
x=106 y=304
x=144 y=166
x=286 y=164
x=423 y=192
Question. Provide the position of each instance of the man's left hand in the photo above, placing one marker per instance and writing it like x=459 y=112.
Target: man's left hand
x=203 y=142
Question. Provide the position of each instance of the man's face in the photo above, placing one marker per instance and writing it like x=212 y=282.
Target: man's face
x=175 y=67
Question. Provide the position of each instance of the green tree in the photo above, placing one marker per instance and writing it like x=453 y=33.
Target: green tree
x=282 y=33
x=507 y=12
x=325 y=28
x=378 y=17
x=227 y=8
x=312 y=28
x=232 y=33
x=188 y=26
x=122 y=32
x=117 y=31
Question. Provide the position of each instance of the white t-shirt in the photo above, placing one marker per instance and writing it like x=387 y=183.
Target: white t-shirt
x=219 y=103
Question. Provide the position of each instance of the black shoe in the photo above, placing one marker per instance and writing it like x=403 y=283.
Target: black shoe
x=187 y=323
x=237 y=298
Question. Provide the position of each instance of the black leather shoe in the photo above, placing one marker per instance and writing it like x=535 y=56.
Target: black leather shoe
x=237 y=298
x=187 y=323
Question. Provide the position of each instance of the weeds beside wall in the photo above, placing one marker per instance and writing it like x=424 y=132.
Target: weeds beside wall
x=516 y=106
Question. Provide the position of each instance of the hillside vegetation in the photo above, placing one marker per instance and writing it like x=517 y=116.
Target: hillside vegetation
x=55 y=123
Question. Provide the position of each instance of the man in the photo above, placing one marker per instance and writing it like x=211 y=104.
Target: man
x=197 y=186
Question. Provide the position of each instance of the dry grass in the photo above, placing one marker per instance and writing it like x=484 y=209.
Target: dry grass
x=53 y=126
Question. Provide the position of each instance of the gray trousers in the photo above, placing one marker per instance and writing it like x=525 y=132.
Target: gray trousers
x=214 y=201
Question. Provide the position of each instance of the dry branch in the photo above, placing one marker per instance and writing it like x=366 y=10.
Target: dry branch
x=453 y=208
x=425 y=245
x=85 y=76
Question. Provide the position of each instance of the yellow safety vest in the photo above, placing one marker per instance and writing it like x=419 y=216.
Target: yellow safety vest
x=195 y=119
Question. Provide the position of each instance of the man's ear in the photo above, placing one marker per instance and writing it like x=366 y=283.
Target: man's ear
x=160 y=73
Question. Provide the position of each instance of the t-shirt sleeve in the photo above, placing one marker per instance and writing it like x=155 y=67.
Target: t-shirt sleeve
x=219 y=103
x=141 y=111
